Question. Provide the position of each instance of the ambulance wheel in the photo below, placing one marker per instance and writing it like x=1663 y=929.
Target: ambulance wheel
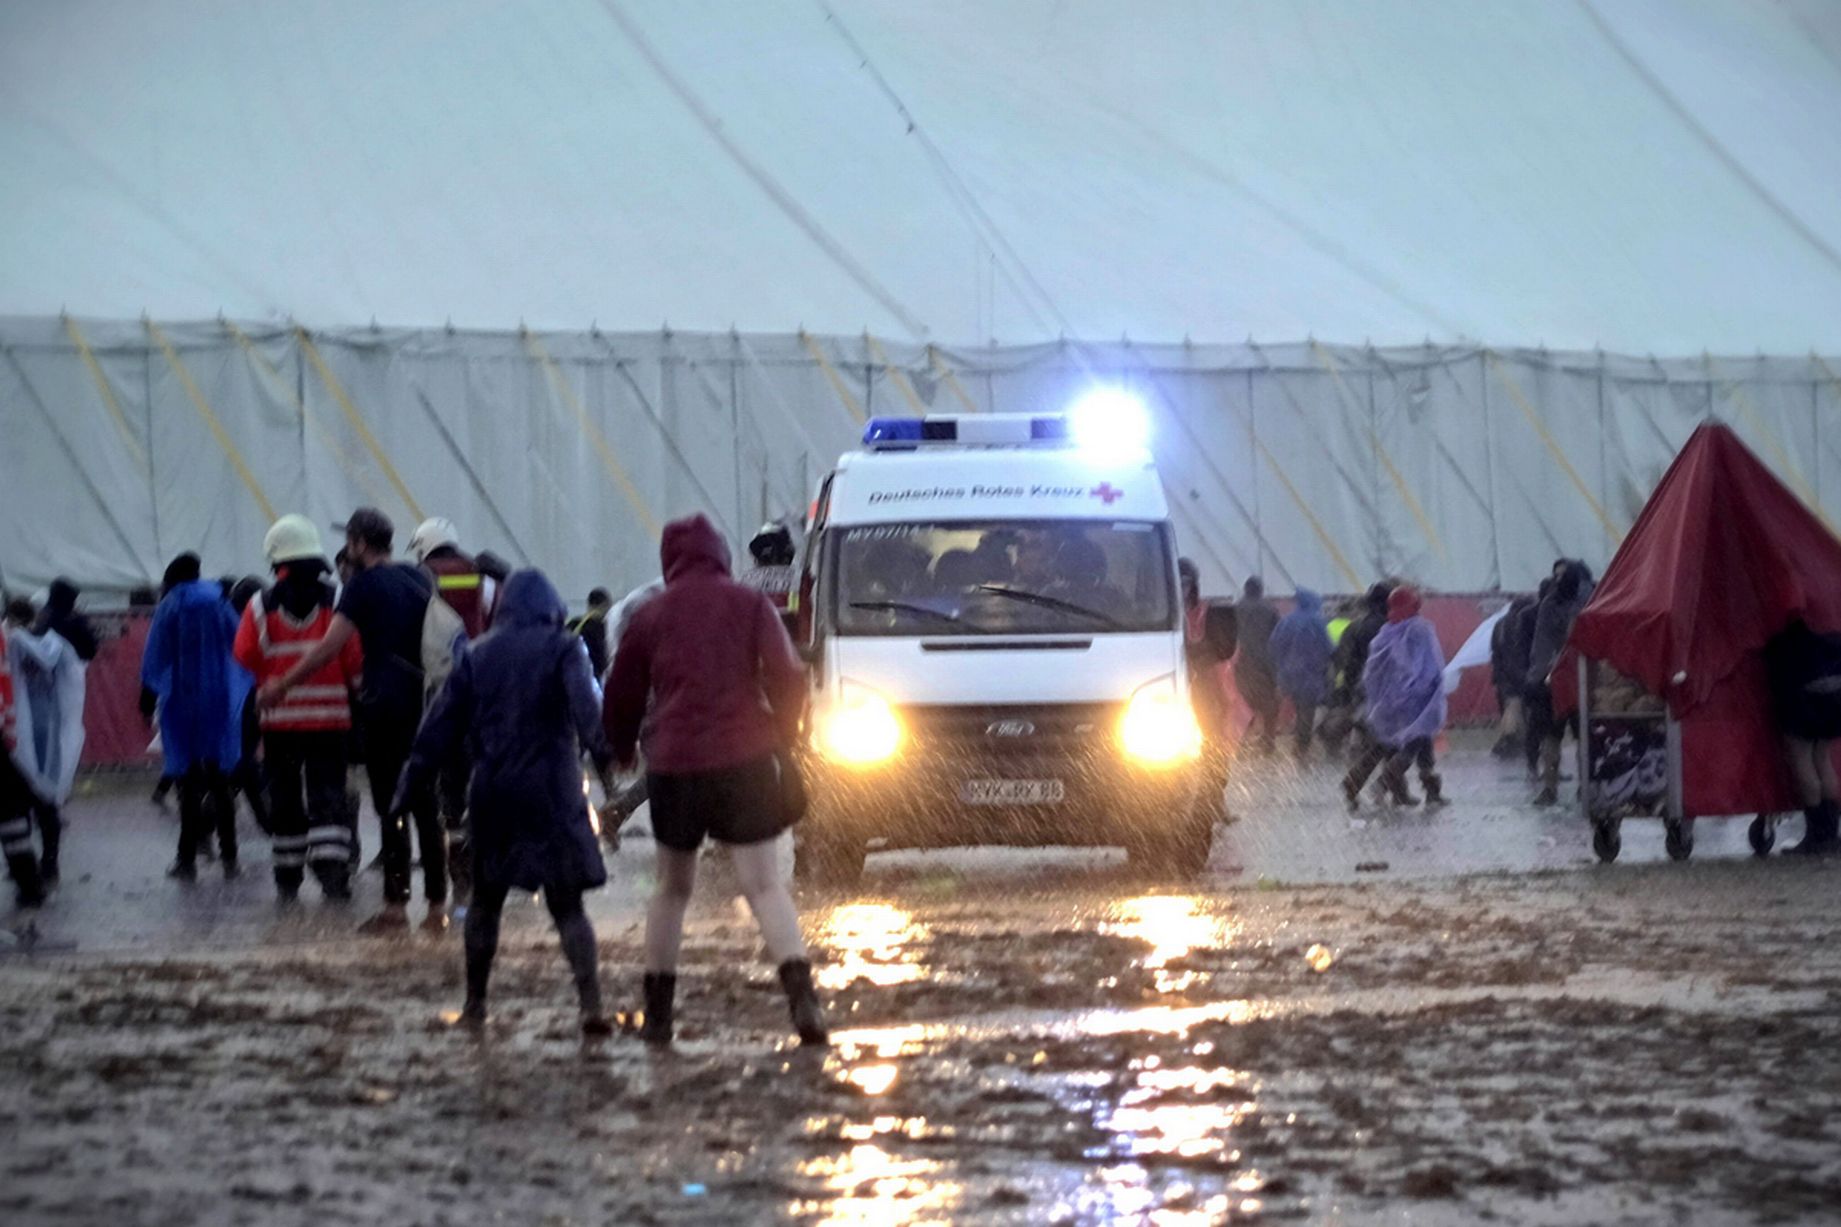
x=1763 y=834
x=1679 y=840
x=827 y=858
x=1606 y=842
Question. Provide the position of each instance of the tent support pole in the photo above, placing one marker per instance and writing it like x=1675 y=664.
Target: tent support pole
x=1259 y=535
x=1489 y=468
x=359 y=426
x=71 y=454
x=1552 y=445
x=212 y=422
x=153 y=487
x=836 y=380
x=735 y=439
x=1604 y=464
x=1328 y=363
x=592 y=432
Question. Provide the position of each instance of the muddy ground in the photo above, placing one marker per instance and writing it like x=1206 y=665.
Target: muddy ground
x=1018 y=1039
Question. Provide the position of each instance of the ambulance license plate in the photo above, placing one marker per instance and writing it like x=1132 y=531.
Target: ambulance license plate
x=1012 y=792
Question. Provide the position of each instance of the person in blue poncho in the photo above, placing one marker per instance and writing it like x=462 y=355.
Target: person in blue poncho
x=1404 y=682
x=1301 y=650
x=188 y=665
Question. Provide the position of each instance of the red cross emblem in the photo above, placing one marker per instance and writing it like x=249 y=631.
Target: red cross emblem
x=1108 y=493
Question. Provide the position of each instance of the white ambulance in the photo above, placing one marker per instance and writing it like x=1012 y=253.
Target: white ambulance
x=991 y=611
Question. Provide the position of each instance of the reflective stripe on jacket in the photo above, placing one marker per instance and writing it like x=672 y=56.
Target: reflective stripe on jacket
x=470 y=594
x=271 y=641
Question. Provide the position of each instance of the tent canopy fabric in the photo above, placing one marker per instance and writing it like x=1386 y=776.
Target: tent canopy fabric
x=1722 y=559
x=1652 y=176
x=1461 y=468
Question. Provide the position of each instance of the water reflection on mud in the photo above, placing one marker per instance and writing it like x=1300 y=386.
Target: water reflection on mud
x=1173 y=926
x=876 y=942
x=868 y=1185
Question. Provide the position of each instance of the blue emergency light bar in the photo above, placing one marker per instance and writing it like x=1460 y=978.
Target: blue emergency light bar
x=984 y=430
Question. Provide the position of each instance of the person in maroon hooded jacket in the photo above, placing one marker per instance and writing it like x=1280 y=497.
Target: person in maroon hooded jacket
x=726 y=693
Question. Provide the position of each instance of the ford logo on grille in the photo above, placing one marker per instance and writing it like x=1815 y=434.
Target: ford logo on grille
x=1010 y=728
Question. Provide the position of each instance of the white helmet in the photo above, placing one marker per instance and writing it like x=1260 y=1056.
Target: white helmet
x=290 y=539
x=431 y=535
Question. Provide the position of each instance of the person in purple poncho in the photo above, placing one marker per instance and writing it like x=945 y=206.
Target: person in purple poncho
x=1404 y=683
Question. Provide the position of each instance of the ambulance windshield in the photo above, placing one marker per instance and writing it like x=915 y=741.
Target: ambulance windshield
x=1004 y=577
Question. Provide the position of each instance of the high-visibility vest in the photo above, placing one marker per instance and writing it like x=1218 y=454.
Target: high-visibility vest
x=271 y=641
x=467 y=592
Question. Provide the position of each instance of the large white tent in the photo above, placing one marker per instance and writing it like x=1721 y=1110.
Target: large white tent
x=900 y=205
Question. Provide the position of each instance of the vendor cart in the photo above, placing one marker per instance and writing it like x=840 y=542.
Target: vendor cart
x=1665 y=665
x=1629 y=761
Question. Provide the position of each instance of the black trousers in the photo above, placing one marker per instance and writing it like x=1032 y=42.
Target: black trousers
x=205 y=805
x=248 y=780
x=1264 y=700
x=1399 y=760
x=51 y=831
x=451 y=797
x=387 y=743
x=1306 y=726
x=16 y=804
x=481 y=937
x=312 y=823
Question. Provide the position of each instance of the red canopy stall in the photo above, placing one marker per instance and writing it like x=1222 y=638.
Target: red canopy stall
x=1674 y=690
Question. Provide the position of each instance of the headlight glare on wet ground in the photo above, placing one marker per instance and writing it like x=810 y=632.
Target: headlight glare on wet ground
x=1159 y=727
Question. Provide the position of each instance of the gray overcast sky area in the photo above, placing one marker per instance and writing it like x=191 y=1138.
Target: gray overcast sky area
x=1641 y=175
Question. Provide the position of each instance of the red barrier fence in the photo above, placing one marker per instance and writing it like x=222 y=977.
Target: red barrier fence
x=114 y=733
x=118 y=737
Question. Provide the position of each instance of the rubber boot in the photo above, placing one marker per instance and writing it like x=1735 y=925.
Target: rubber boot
x=661 y=990
x=51 y=830
x=1393 y=780
x=1821 y=832
x=24 y=868
x=1434 y=789
x=1550 y=773
x=802 y=1003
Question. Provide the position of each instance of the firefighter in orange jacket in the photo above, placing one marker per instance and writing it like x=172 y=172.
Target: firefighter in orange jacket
x=304 y=736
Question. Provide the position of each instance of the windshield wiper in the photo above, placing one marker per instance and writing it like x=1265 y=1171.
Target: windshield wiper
x=906 y=607
x=1055 y=603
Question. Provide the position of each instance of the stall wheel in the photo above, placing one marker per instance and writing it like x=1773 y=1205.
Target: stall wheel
x=1679 y=840
x=1606 y=842
x=1763 y=834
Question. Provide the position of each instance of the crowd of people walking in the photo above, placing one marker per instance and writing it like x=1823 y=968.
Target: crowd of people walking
x=1367 y=681
x=470 y=704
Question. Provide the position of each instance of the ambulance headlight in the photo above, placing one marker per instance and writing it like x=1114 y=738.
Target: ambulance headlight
x=1109 y=420
x=1159 y=726
x=860 y=729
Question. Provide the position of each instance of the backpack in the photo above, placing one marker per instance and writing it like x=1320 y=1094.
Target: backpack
x=444 y=637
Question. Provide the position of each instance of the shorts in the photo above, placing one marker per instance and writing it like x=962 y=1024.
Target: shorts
x=732 y=805
x=1811 y=716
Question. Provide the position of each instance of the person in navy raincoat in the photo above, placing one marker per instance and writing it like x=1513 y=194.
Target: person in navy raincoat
x=1404 y=682
x=188 y=665
x=1301 y=651
x=523 y=702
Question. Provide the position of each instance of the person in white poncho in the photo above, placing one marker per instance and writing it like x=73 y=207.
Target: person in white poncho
x=49 y=680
